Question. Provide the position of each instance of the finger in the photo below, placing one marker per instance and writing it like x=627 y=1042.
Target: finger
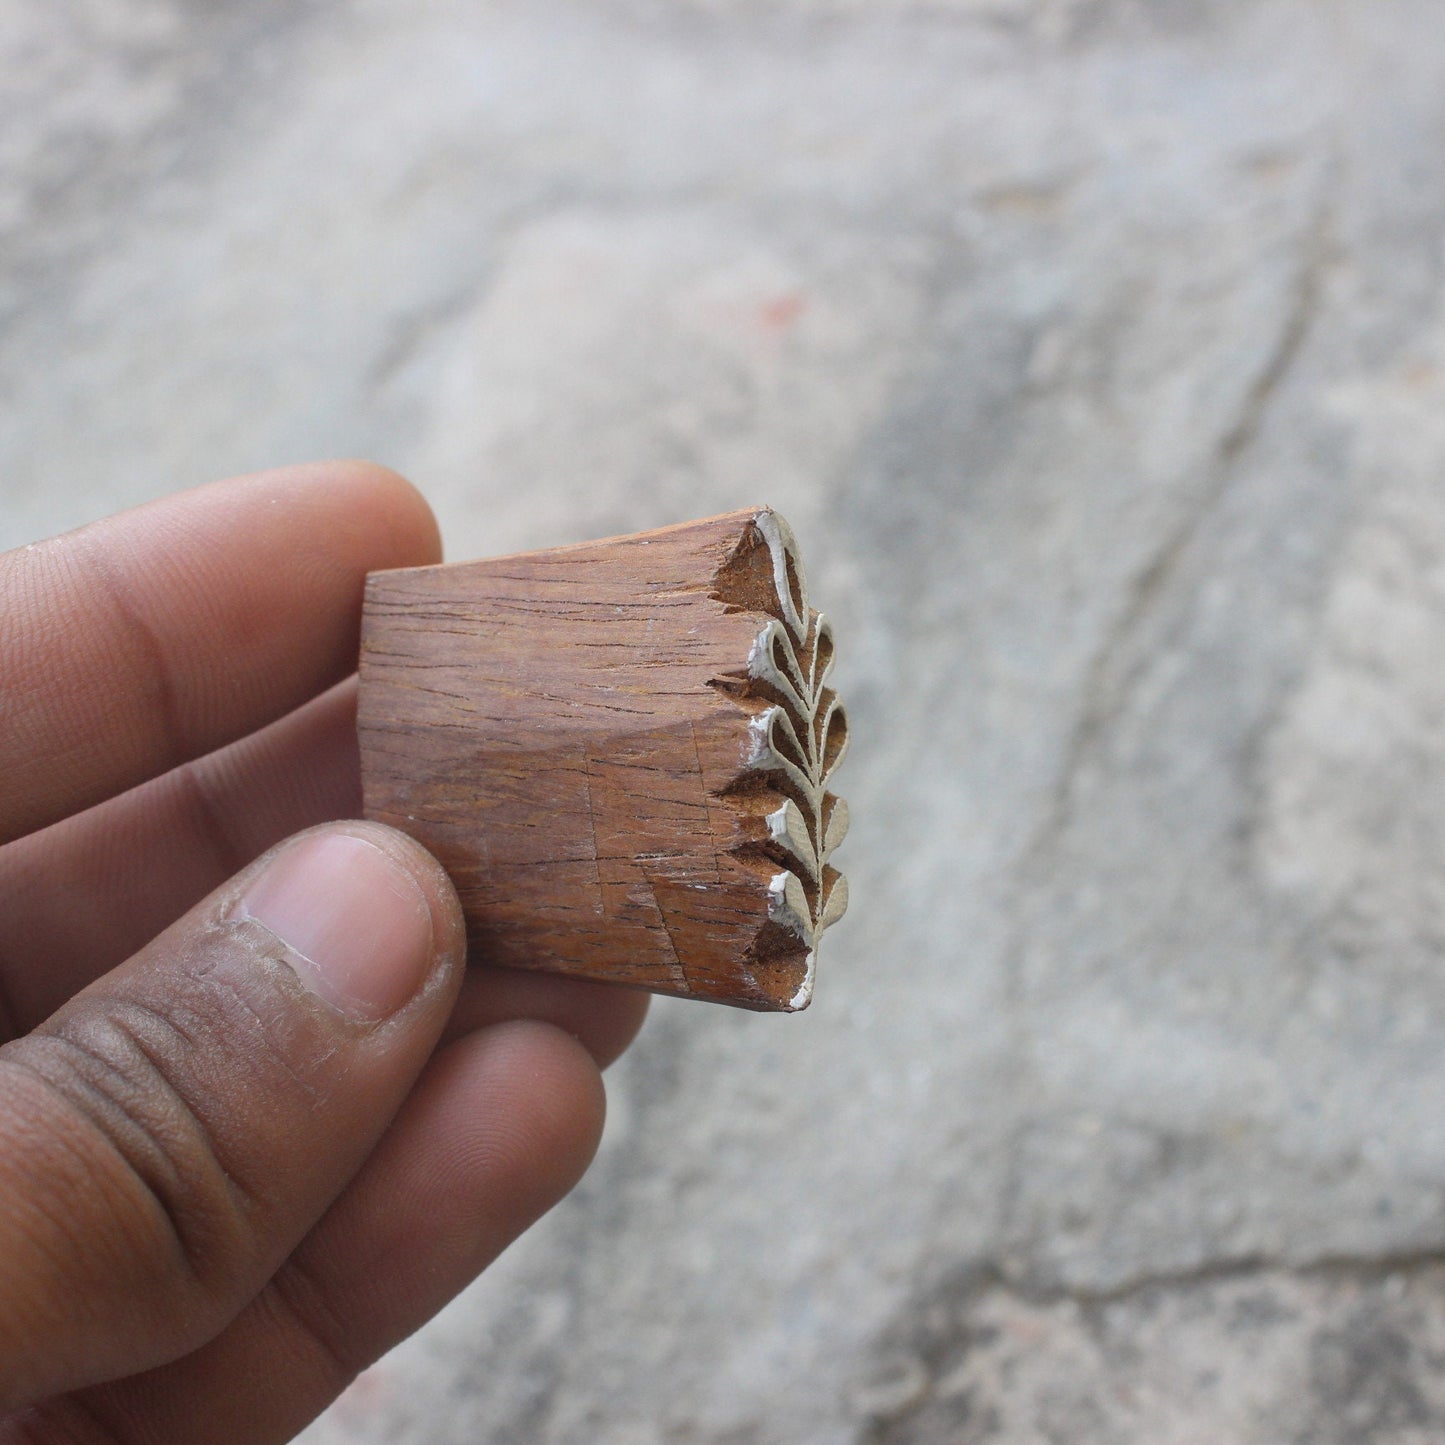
x=83 y=895
x=602 y=1017
x=171 y=1134
x=79 y=897
x=500 y=1127
x=158 y=635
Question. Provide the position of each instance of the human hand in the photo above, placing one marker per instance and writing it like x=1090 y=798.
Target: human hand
x=257 y=1123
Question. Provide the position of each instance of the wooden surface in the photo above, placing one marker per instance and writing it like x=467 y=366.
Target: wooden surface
x=620 y=752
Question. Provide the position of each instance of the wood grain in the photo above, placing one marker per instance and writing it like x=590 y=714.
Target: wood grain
x=620 y=752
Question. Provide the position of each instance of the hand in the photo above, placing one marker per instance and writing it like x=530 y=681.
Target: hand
x=257 y=1121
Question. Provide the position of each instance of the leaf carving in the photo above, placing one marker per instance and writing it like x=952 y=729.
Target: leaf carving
x=797 y=736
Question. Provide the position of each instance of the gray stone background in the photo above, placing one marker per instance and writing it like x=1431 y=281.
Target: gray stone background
x=1096 y=350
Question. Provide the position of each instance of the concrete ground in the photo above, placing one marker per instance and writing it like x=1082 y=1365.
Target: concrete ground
x=1096 y=351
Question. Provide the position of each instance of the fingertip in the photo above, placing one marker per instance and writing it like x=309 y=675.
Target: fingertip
x=399 y=501
x=604 y=1018
x=501 y=1127
x=391 y=523
x=430 y=876
x=448 y=928
x=543 y=1096
x=363 y=918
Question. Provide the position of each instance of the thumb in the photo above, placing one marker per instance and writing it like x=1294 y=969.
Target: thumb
x=169 y=1136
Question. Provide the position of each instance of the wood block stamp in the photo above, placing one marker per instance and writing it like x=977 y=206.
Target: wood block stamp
x=621 y=752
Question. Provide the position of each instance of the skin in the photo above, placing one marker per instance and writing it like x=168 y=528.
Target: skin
x=209 y=1175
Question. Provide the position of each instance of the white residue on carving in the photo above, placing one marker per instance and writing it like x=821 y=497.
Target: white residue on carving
x=783 y=548
x=788 y=906
x=804 y=995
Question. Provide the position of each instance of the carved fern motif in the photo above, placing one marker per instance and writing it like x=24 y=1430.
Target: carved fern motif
x=797 y=737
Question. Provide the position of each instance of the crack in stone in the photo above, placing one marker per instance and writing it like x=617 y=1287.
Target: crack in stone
x=972 y=1281
x=944 y=1328
x=1104 y=696
x=1324 y=1266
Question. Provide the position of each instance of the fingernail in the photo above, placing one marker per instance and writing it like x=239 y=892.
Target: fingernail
x=355 y=917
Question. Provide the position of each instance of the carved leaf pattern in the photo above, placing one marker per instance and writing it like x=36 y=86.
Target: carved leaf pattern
x=798 y=738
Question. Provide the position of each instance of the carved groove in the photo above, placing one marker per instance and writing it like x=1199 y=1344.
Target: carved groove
x=797 y=736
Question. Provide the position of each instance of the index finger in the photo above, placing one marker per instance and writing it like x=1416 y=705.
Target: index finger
x=137 y=643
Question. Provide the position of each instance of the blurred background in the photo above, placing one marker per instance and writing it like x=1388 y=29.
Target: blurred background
x=1096 y=351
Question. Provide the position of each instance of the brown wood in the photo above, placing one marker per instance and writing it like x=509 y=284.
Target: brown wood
x=620 y=752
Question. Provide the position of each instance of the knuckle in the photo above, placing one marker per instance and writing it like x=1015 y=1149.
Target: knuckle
x=126 y=1078
x=134 y=633
x=163 y=1141
x=316 y=1332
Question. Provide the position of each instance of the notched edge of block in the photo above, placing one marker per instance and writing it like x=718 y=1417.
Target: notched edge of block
x=797 y=735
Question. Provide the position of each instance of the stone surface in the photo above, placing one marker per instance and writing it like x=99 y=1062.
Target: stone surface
x=1096 y=350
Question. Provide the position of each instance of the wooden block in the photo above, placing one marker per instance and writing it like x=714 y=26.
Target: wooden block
x=620 y=751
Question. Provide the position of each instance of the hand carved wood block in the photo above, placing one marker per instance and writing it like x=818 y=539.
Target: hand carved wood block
x=620 y=751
